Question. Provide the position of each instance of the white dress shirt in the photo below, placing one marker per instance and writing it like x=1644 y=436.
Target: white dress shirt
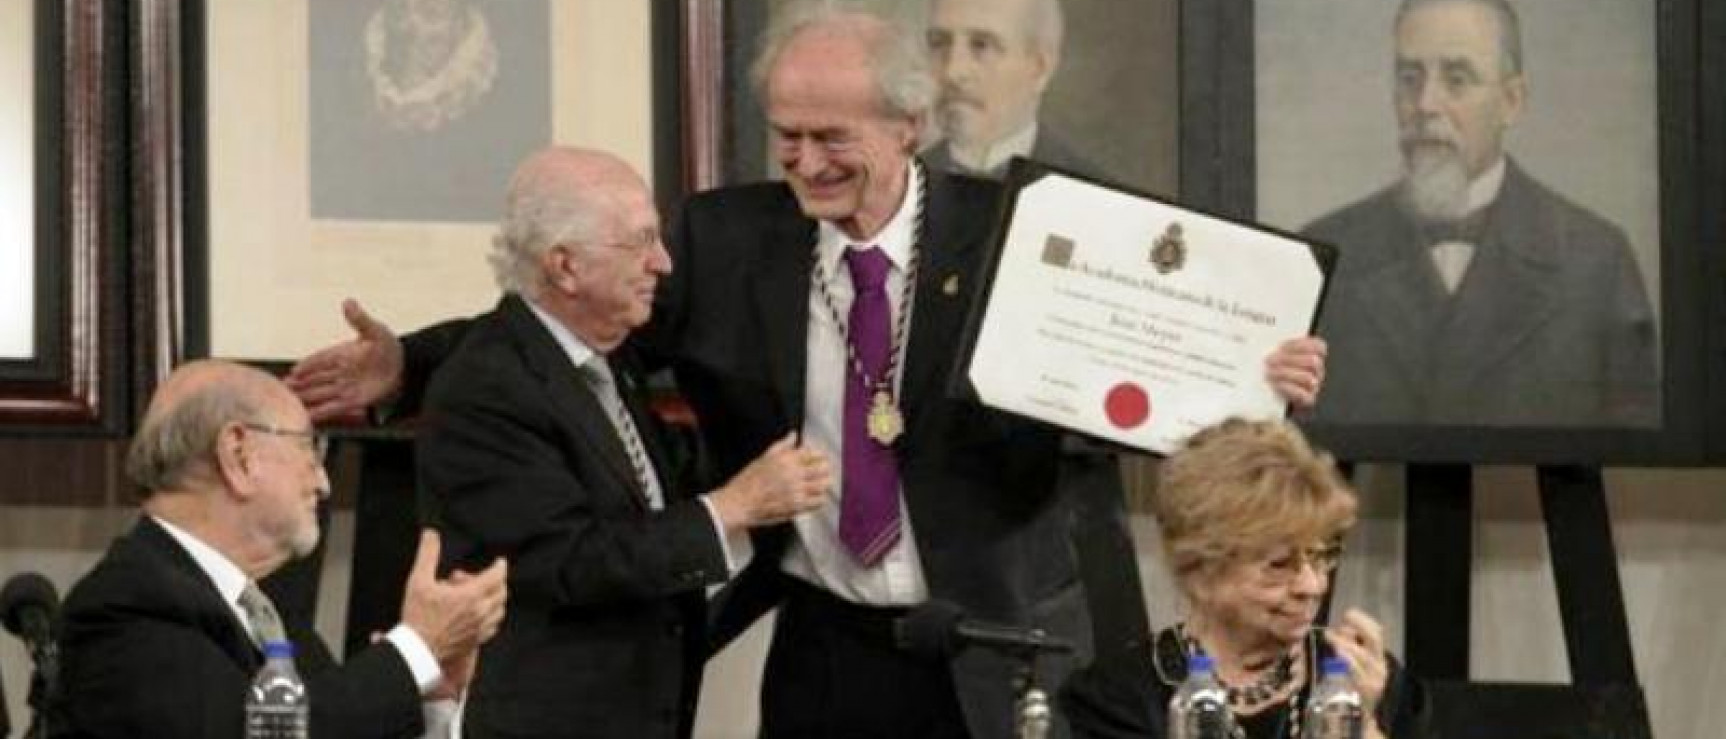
x=816 y=555
x=993 y=156
x=230 y=581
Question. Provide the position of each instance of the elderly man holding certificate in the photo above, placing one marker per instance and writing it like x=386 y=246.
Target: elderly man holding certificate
x=1141 y=322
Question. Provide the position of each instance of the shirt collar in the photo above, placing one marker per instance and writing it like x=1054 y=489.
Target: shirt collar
x=579 y=353
x=230 y=580
x=1484 y=189
x=993 y=156
x=894 y=238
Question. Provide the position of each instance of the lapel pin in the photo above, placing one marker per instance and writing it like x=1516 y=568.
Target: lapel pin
x=950 y=286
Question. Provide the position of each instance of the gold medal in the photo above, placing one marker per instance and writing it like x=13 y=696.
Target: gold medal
x=885 y=423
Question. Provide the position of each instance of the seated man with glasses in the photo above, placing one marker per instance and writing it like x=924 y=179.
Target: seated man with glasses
x=316 y=442
x=1252 y=520
x=163 y=636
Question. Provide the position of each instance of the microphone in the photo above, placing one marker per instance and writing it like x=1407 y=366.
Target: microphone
x=27 y=606
x=939 y=628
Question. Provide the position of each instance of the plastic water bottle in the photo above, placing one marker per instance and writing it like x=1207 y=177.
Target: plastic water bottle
x=276 y=706
x=1335 y=709
x=1200 y=707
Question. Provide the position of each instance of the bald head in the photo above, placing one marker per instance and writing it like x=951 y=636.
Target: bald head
x=189 y=410
x=227 y=454
x=558 y=195
x=569 y=169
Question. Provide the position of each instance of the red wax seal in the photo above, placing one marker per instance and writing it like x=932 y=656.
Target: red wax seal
x=1127 y=405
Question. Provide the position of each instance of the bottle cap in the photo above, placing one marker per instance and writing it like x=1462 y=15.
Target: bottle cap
x=278 y=648
x=1334 y=665
x=1200 y=663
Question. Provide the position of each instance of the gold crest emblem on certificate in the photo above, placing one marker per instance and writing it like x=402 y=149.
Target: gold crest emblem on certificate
x=1169 y=252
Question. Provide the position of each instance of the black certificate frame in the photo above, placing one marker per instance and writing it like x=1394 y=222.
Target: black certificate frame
x=1022 y=173
x=1219 y=101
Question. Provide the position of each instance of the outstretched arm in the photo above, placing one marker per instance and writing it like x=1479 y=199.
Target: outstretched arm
x=343 y=380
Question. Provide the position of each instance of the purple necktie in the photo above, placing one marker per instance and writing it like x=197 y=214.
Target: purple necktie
x=869 y=508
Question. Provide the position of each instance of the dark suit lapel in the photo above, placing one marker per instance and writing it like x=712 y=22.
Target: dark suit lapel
x=570 y=398
x=1403 y=298
x=220 y=622
x=1509 y=290
x=780 y=295
x=938 y=312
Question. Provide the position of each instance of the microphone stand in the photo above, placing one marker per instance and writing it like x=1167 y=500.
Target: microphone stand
x=5 y=717
x=1032 y=714
x=939 y=629
x=38 y=709
x=44 y=682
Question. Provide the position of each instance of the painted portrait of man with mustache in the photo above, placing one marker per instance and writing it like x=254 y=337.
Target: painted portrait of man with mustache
x=1469 y=293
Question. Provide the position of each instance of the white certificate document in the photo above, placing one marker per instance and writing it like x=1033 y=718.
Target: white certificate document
x=1133 y=320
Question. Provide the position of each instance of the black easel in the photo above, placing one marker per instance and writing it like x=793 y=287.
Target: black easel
x=1603 y=698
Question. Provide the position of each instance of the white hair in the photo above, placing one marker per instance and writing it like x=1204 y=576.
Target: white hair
x=535 y=220
x=897 y=57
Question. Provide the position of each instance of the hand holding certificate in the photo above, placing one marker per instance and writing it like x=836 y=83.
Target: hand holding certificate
x=1132 y=320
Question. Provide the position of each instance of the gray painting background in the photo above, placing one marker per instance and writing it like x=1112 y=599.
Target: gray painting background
x=361 y=169
x=1327 y=130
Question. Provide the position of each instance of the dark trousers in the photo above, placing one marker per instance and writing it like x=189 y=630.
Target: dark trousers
x=834 y=671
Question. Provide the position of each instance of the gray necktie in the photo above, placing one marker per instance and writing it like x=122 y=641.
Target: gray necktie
x=266 y=623
x=600 y=379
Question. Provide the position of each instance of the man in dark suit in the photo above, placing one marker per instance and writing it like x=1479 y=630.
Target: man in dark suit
x=831 y=304
x=1468 y=293
x=993 y=59
x=535 y=447
x=162 y=637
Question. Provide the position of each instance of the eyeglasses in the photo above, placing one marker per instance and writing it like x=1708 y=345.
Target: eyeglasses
x=636 y=244
x=787 y=142
x=319 y=444
x=1283 y=565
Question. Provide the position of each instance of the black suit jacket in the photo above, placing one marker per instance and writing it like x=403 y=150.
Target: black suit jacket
x=991 y=527
x=603 y=635
x=1550 y=326
x=150 y=649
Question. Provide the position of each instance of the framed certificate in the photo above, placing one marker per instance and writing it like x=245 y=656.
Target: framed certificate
x=1131 y=319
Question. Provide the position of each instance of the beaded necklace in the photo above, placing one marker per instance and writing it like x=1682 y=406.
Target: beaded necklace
x=1169 y=659
x=885 y=421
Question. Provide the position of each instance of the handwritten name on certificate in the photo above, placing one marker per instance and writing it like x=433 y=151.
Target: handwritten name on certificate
x=1133 y=320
